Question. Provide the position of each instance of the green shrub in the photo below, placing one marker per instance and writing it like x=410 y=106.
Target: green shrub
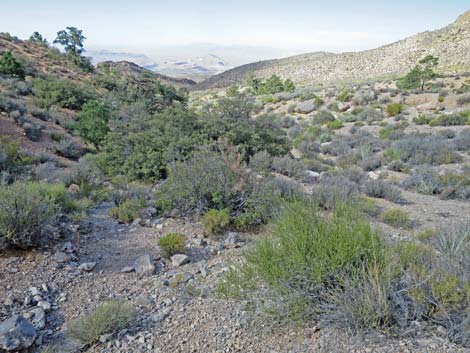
x=171 y=244
x=324 y=116
x=451 y=119
x=25 y=209
x=92 y=123
x=422 y=120
x=108 y=318
x=63 y=93
x=204 y=182
x=396 y=218
x=344 y=96
x=394 y=109
x=127 y=211
x=304 y=254
x=214 y=220
x=335 y=124
x=9 y=65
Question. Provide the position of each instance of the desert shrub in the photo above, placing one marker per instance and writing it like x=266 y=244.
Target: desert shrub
x=215 y=221
x=371 y=163
x=324 y=116
x=455 y=186
x=383 y=190
x=368 y=301
x=287 y=166
x=171 y=244
x=304 y=255
x=451 y=119
x=463 y=99
x=9 y=105
x=261 y=162
x=335 y=124
x=422 y=149
x=370 y=115
x=24 y=213
x=424 y=181
x=365 y=96
x=203 y=182
x=32 y=131
x=108 y=318
x=344 y=96
x=69 y=149
x=63 y=93
x=41 y=114
x=396 y=218
x=454 y=243
x=128 y=210
x=462 y=140
x=335 y=189
x=394 y=109
x=9 y=65
x=92 y=123
x=422 y=119
x=448 y=133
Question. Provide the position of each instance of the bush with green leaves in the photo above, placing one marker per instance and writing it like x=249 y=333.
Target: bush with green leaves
x=344 y=96
x=128 y=210
x=324 y=116
x=451 y=119
x=107 y=318
x=396 y=217
x=63 y=93
x=290 y=270
x=394 y=109
x=92 y=123
x=214 y=221
x=171 y=244
x=25 y=210
x=271 y=85
x=10 y=66
x=287 y=165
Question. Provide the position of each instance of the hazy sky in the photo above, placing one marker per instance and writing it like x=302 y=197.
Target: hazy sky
x=303 y=25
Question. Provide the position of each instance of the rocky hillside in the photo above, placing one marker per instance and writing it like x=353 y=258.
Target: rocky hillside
x=130 y=70
x=451 y=44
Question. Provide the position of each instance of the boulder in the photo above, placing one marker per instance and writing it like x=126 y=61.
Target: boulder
x=179 y=260
x=61 y=257
x=37 y=317
x=16 y=333
x=144 y=265
x=87 y=266
x=305 y=107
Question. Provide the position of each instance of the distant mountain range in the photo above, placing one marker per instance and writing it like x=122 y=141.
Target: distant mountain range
x=451 y=44
x=194 y=61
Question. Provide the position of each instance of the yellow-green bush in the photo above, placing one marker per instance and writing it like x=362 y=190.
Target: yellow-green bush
x=214 y=220
x=171 y=244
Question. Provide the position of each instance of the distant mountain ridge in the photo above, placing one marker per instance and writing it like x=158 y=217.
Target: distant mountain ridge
x=451 y=44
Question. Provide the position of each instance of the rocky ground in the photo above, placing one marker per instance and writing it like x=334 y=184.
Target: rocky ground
x=178 y=309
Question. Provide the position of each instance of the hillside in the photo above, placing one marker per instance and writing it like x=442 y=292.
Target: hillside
x=451 y=44
x=38 y=113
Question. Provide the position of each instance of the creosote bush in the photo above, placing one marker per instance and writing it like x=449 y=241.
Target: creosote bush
x=171 y=244
x=108 y=318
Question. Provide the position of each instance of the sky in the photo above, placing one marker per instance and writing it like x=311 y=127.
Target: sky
x=298 y=25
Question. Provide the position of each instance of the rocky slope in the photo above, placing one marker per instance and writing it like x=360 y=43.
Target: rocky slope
x=451 y=44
